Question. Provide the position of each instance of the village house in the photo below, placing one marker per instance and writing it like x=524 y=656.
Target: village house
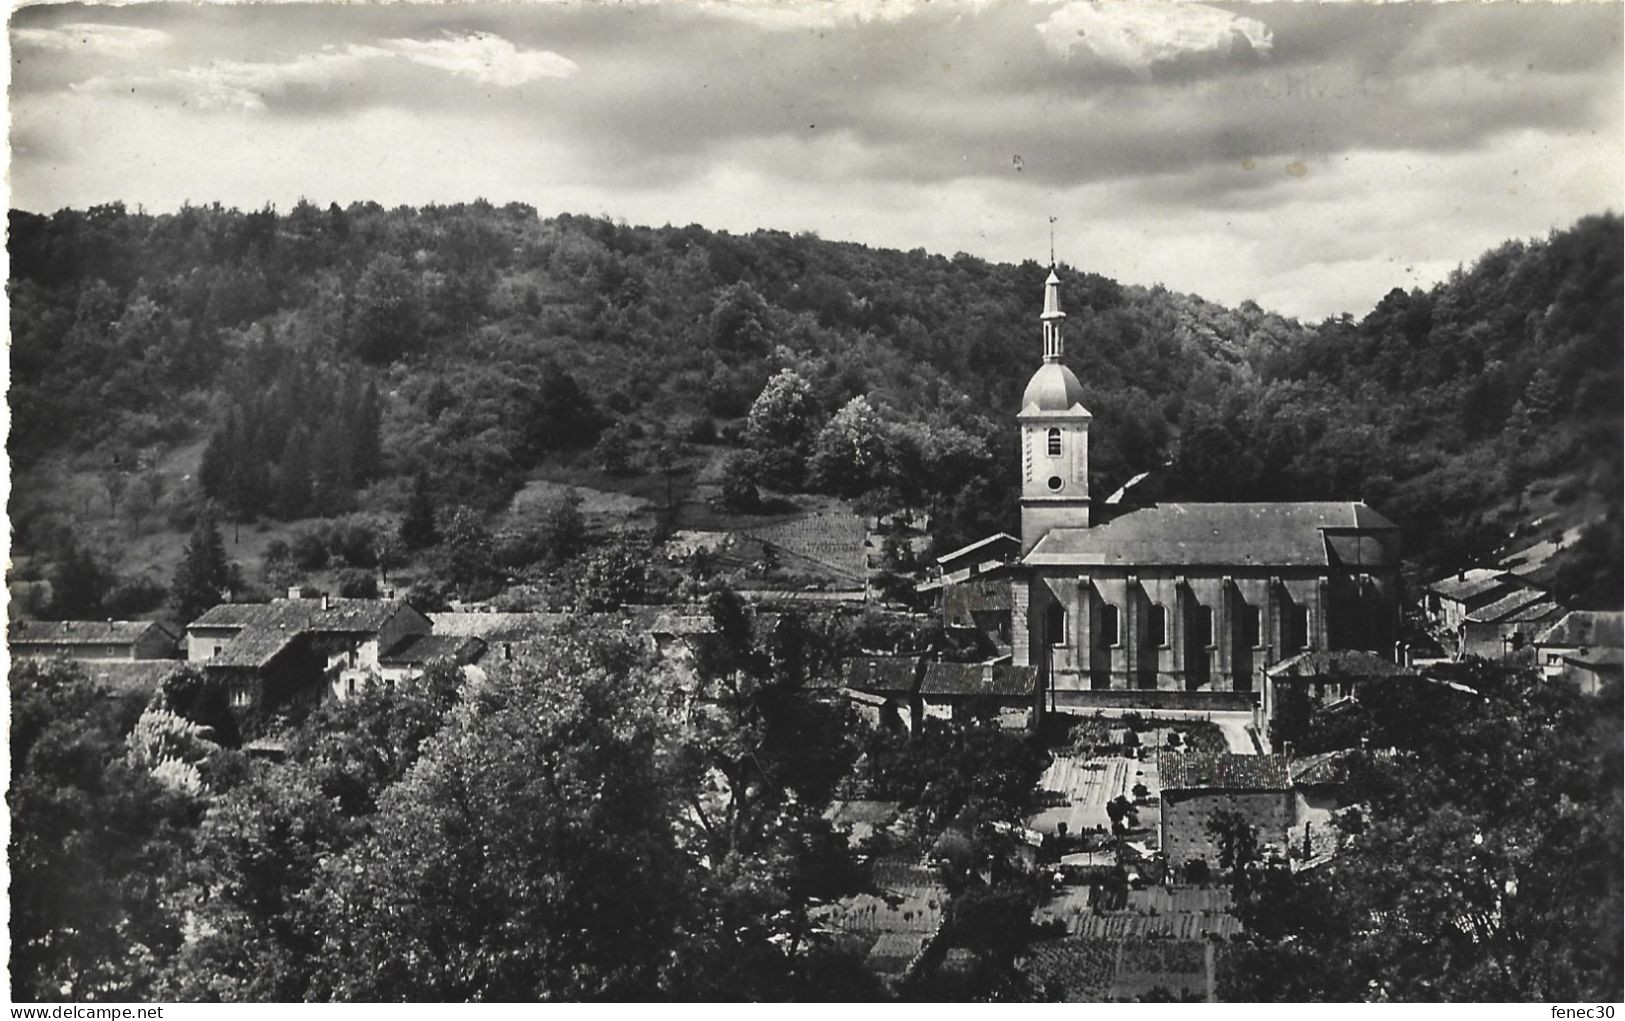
x=1195 y=785
x=1324 y=678
x=1320 y=795
x=1449 y=601
x=92 y=640
x=1583 y=648
x=884 y=688
x=961 y=691
x=411 y=656
x=1507 y=625
x=292 y=651
x=1192 y=601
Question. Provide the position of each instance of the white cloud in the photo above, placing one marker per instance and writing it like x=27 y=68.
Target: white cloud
x=248 y=85
x=814 y=14
x=88 y=37
x=486 y=58
x=1136 y=34
x=245 y=85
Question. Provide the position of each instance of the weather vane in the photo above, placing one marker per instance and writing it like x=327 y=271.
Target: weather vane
x=1052 y=242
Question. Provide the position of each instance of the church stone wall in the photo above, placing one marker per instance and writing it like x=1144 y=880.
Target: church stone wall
x=1191 y=656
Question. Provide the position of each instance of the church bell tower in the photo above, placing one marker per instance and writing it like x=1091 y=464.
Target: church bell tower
x=1054 y=436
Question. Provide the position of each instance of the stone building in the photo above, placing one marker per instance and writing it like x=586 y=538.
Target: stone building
x=293 y=651
x=1585 y=648
x=1195 y=785
x=92 y=640
x=1190 y=600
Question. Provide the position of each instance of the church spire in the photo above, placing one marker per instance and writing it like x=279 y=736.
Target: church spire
x=1052 y=317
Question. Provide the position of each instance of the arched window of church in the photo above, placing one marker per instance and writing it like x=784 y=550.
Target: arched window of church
x=1055 y=624
x=1202 y=626
x=1110 y=636
x=1159 y=626
x=1055 y=443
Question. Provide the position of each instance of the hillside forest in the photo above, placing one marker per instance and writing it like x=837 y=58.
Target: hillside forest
x=320 y=377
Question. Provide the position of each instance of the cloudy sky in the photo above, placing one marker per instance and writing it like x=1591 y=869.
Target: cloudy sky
x=1309 y=156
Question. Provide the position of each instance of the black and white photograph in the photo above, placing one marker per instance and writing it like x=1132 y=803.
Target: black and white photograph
x=860 y=501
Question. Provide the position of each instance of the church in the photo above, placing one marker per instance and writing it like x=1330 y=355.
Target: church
x=1192 y=601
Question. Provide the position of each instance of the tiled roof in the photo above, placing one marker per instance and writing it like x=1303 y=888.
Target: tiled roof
x=339 y=615
x=1586 y=628
x=822 y=681
x=1354 y=663
x=1330 y=767
x=978 y=679
x=1600 y=656
x=232 y=615
x=1239 y=534
x=352 y=616
x=417 y=649
x=1467 y=585
x=520 y=627
x=1543 y=612
x=990 y=546
x=668 y=620
x=1507 y=606
x=81 y=632
x=1221 y=771
x=268 y=628
x=889 y=674
x=499 y=627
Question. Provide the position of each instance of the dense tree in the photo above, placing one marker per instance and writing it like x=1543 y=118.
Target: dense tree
x=759 y=763
x=259 y=935
x=853 y=452
x=210 y=313
x=468 y=555
x=740 y=474
x=609 y=576
x=94 y=842
x=740 y=322
x=79 y=584
x=563 y=531
x=530 y=855
x=205 y=575
x=388 y=307
x=1482 y=865
x=614 y=450
x=417 y=529
x=781 y=428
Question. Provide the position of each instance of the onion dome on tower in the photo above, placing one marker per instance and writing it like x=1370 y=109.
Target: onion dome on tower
x=1053 y=387
x=1054 y=435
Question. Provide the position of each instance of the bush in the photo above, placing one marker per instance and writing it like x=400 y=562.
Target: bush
x=700 y=429
x=739 y=483
x=355 y=583
x=308 y=550
x=133 y=598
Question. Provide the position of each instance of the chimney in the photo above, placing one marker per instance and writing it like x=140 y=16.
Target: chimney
x=507 y=652
x=294 y=592
x=1461 y=575
x=324 y=600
